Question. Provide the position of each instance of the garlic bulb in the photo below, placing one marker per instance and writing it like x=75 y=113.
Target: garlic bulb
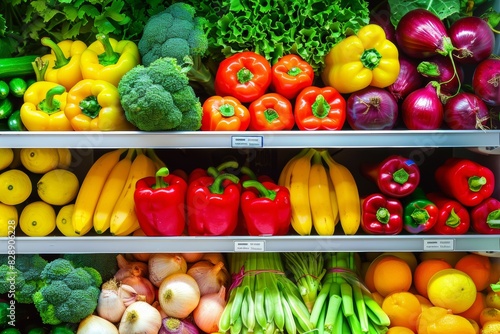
x=109 y=305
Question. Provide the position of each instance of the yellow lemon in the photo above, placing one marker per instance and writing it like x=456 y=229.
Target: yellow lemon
x=63 y=221
x=15 y=187
x=6 y=157
x=58 y=187
x=64 y=158
x=38 y=219
x=451 y=289
x=39 y=160
x=8 y=219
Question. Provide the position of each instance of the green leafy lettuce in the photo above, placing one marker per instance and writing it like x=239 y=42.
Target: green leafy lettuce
x=308 y=28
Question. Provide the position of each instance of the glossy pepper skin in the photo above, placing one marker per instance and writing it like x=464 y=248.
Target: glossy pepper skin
x=485 y=216
x=63 y=63
x=268 y=210
x=381 y=215
x=271 y=112
x=465 y=180
x=212 y=205
x=108 y=59
x=224 y=114
x=453 y=217
x=395 y=176
x=160 y=204
x=320 y=109
x=365 y=59
x=290 y=74
x=419 y=213
x=43 y=107
x=94 y=105
x=244 y=75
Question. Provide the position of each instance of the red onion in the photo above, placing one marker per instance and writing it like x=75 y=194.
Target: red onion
x=466 y=111
x=473 y=38
x=442 y=70
x=486 y=81
x=170 y=325
x=408 y=79
x=421 y=34
x=372 y=108
x=422 y=109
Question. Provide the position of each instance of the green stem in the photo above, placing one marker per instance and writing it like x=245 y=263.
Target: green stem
x=383 y=215
x=160 y=181
x=61 y=59
x=476 y=183
x=263 y=191
x=453 y=219
x=90 y=107
x=217 y=186
x=420 y=216
x=49 y=104
x=244 y=75
x=400 y=176
x=109 y=56
x=370 y=58
x=226 y=110
x=294 y=71
x=320 y=107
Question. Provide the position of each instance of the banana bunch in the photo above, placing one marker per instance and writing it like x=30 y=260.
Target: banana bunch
x=106 y=197
x=321 y=195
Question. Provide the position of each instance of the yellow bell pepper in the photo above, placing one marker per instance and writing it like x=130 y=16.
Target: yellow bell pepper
x=43 y=107
x=358 y=61
x=63 y=62
x=94 y=105
x=108 y=59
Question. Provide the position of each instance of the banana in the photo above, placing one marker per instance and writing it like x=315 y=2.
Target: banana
x=323 y=215
x=64 y=158
x=285 y=172
x=90 y=190
x=111 y=191
x=298 y=183
x=123 y=219
x=347 y=194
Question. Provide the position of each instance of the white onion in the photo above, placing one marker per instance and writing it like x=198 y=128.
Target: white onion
x=161 y=265
x=210 y=277
x=93 y=324
x=110 y=305
x=209 y=310
x=139 y=318
x=178 y=295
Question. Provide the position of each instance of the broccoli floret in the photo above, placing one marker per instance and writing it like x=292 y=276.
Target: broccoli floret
x=104 y=263
x=9 y=276
x=158 y=97
x=31 y=265
x=177 y=33
x=69 y=294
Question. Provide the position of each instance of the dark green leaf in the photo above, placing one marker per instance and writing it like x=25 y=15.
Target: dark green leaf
x=441 y=8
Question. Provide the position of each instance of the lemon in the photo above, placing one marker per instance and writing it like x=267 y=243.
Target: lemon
x=63 y=221
x=6 y=157
x=38 y=219
x=39 y=160
x=15 y=187
x=64 y=158
x=8 y=219
x=58 y=187
x=451 y=289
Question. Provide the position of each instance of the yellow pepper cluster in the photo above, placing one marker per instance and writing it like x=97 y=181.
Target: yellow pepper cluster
x=76 y=86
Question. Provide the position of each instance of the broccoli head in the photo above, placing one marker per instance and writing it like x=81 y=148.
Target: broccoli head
x=158 y=97
x=68 y=294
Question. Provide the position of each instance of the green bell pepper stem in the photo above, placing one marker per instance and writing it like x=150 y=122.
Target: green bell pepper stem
x=320 y=107
x=263 y=191
x=61 y=59
x=217 y=187
x=248 y=172
x=90 y=106
x=160 y=181
x=476 y=182
x=40 y=67
x=49 y=104
x=109 y=56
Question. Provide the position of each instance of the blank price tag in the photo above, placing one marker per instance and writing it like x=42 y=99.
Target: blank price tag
x=439 y=244
x=249 y=246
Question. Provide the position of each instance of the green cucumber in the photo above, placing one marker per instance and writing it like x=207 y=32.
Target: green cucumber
x=18 y=86
x=6 y=108
x=17 y=66
x=4 y=90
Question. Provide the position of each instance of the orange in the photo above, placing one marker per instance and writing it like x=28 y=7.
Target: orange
x=399 y=330
x=450 y=257
x=391 y=274
x=489 y=314
x=403 y=308
x=491 y=327
x=369 y=273
x=424 y=302
x=424 y=272
x=474 y=311
x=438 y=320
x=452 y=289
x=409 y=257
x=477 y=267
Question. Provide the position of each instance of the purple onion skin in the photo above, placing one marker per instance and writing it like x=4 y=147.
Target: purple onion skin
x=486 y=81
x=446 y=72
x=408 y=79
x=466 y=111
x=421 y=34
x=372 y=108
x=177 y=326
x=422 y=109
x=473 y=38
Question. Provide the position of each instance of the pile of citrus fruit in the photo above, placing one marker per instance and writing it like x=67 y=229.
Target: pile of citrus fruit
x=37 y=188
x=436 y=293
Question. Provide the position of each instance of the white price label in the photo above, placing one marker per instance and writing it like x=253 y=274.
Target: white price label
x=249 y=246
x=247 y=141
x=439 y=244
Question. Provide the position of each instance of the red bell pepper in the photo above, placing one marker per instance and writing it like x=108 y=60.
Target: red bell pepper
x=244 y=75
x=271 y=112
x=381 y=215
x=200 y=172
x=290 y=74
x=420 y=213
x=224 y=114
x=267 y=211
x=395 y=176
x=465 y=180
x=486 y=216
x=453 y=217
x=320 y=109
x=212 y=205
x=160 y=204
